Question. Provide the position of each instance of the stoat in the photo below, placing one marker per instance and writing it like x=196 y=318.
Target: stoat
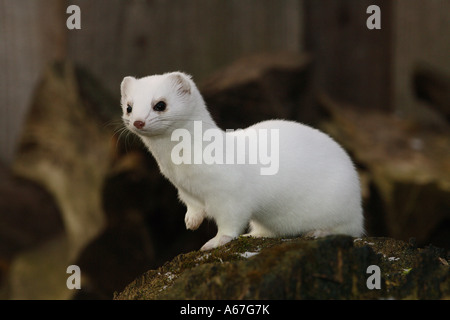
x=313 y=189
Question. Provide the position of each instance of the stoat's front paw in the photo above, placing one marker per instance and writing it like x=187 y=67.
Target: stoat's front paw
x=193 y=219
x=215 y=242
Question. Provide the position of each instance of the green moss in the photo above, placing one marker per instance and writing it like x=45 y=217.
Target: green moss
x=334 y=267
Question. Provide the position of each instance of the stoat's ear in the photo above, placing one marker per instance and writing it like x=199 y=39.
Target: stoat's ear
x=182 y=82
x=125 y=85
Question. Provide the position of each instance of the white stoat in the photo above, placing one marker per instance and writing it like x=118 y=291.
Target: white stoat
x=315 y=190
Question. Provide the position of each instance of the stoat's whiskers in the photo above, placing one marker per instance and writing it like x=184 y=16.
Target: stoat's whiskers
x=123 y=132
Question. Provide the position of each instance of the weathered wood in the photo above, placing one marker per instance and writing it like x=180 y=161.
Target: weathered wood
x=260 y=87
x=67 y=147
x=420 y=36
x=146 y=37
x=132 y=37
x=352 y=63
x=433 y=87
x=31 y=35
x=373 y=68
x=22 y=203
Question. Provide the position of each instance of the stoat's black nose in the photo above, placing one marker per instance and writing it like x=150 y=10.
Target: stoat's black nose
x=139 y=124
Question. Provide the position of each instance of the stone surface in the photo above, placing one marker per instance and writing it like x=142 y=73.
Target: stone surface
x=334 y=267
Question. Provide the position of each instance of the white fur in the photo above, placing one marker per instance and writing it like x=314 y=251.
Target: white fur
x=316 y=190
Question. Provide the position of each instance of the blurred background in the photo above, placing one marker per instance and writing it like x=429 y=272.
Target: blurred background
x=75 y=189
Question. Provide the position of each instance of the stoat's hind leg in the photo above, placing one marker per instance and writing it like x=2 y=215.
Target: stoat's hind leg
x=259 y=231
x=230 y=225
x=217 y=241
x=319 y=233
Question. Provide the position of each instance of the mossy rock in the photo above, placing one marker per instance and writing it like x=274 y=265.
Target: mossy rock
x=333 y=267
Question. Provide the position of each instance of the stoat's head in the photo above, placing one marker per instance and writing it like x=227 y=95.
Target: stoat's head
x=156 y=105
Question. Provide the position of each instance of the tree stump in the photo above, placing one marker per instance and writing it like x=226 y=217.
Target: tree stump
x=67 y=147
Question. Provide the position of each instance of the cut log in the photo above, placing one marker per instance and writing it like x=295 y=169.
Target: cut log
x=408 y=166
x=433 y=87
x=260 y=87
x=67 y=147
x=22 y=203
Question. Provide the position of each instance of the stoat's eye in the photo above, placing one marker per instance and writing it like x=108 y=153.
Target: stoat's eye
x=129 y=108
x=160 y=106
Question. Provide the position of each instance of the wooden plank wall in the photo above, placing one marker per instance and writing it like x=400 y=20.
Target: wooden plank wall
x=352 y=63
x=421 y=38
x=137 y=37
x=197 y=36
x=31 y=34
x=132 y=37
x=374 y=68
